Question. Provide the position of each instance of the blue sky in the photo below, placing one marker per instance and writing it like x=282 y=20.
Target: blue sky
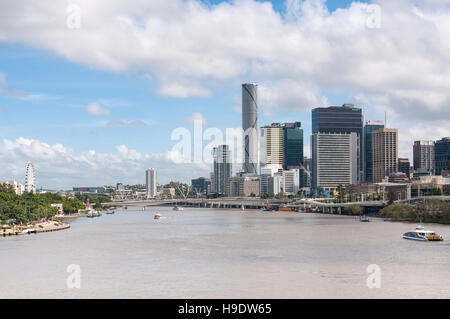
x=46 y=89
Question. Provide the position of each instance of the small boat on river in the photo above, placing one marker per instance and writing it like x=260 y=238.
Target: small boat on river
x=422 y=234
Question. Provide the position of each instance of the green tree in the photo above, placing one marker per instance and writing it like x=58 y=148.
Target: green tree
x=354 y=209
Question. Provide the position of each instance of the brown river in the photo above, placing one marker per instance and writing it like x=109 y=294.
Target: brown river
x=223 y=253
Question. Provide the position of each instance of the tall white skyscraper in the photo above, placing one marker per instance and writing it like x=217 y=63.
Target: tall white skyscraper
x=30 y=178
x=150 y=182
x=334 y=159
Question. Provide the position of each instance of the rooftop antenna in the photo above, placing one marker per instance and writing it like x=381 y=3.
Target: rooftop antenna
x=385 y=120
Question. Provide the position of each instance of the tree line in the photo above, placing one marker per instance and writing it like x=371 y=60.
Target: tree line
x=28 y=207
x=428 y=211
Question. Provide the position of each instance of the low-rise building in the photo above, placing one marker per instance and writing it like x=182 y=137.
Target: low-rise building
x=243 y=186
x=89 y=190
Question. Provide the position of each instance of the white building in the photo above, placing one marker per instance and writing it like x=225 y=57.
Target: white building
x=150 y=182
x=334 y=160
x=267 y=173
x=30 y=178
x=280 y=181
x=18 y=188
x=291 y=181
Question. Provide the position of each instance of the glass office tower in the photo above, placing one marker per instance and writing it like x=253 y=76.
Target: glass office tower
x=370 y=127
x=442 y=155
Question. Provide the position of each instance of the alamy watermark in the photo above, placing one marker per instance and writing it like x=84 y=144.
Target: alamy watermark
x=73 y=20
x=74 y=279
x=199 y=146
x=374 y=279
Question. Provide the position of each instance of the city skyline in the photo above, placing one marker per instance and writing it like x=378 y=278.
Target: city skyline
x=81 y=120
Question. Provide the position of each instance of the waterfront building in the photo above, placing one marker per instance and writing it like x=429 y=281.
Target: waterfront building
x=442 y=155
x=334 y=160
x=267 y=172
x=222 y=168
x=423 y=156
x=343 y=119
x=399 y=191
x=243 y=185
x=368 y=129
x=120 y=187
x=250 y=127
x=385 y=153
x=17 y=187
x=151 y=183
x=404 y=166
x=276 y=183
x=89 y=190
x=200 y=185
x=168 y=191
x=30 y=178
x=291 y=181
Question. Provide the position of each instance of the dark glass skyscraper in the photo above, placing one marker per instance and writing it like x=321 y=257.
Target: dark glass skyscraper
x=293 y=145
x=341 y=119
x=368 y=129
x=442 y=155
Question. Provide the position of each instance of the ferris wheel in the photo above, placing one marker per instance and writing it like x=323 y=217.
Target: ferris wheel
x=30 y=178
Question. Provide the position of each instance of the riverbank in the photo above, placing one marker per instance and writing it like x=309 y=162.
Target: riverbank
x=41 y=227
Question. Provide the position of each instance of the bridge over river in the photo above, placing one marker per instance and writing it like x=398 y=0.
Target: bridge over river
x=320 y=205
x=323 y=205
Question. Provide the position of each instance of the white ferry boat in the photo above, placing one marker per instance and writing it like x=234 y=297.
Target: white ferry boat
x=423 y=235
x=93 y=213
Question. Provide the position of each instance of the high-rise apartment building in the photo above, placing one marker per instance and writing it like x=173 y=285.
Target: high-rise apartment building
x=368 y=129
x=423 y=156
x=384 y=153
x=334 y=159
x=150 y=182
x=272 y=145
x=442 y=155
x=222 y=168
x=250 y=127
x=343 y=119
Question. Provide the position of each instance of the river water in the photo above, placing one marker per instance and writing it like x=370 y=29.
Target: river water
x=222 y=253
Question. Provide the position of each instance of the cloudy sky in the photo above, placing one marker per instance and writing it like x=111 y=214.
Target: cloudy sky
x=91 y=91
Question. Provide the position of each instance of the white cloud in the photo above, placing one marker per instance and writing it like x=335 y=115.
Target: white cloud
x=191 y=48
x=127 y=123
x=290 y=94
x=60 y=167
x=196 y=116
x=96 y=109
